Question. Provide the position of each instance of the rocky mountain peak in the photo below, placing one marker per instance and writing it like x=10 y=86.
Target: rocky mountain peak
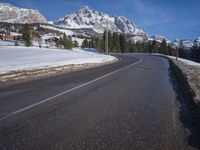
x=86 y=9
x=13 y=14
x=99 y=22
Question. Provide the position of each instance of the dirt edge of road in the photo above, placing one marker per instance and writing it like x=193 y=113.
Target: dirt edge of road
x=187 y=94
x=29 y=75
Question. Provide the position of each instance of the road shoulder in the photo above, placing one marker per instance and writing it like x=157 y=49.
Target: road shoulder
x=16 y=77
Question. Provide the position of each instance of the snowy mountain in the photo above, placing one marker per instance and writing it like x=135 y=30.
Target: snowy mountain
x=186 y=43
x=176 y=43
x=197 y=42
x=159 y=38
x=99 y=22
x=12 y=14
x=84 y=23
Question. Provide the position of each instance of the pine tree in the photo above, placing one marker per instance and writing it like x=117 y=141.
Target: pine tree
x=122 y=43
x=26 y=36
x=163 y=47
x=195 y=53
x=103 y=42
x=115 y=42
x=93 y=42
x=181 y=51
x=85 y=44
x=110 y=41
x=98 y=43
x=153 y=46
x=66 y=42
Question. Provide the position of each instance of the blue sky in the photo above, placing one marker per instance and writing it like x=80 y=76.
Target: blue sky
x=171 y=18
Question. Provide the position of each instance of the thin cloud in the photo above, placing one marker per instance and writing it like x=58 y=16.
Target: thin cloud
x=154 y=23
x=142 y=8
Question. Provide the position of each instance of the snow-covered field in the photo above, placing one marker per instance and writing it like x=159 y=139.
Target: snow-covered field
x=22 y=58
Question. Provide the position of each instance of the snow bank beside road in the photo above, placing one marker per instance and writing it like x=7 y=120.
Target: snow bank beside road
x=191 y=71
x=185 y=61
x=187 y=75
x=188 y=62
x=22 y=58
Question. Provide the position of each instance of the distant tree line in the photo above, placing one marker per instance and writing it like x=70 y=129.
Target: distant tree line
x=118 y=43
x=191 y=54
x=66 y=42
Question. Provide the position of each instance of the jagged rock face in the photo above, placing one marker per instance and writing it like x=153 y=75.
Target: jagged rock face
x=99 y=22
x=12 y=14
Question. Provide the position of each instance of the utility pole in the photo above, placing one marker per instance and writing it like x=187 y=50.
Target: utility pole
x=176 y=53
x=106 y=39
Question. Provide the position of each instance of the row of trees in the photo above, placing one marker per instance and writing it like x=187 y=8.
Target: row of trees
x=117 y=43
x=66 y=42
x=195 y=53
x=191 y=54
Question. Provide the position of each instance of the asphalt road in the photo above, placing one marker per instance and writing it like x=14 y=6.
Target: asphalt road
x=130 y=104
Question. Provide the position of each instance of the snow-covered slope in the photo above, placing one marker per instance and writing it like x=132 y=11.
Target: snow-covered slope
x=99 y=22
x=66 y=31
x=23 y=58
x=12 y=14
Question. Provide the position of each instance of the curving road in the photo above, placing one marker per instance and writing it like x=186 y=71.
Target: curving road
x=130 y=104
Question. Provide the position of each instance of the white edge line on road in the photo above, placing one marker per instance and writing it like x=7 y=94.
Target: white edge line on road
x=65 y=92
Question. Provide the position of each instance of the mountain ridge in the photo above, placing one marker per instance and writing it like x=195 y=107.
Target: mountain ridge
x=89 y=21
x=99 y=21
x=12 y=14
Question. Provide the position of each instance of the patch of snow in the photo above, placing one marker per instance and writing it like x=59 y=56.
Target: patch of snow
x=67 y=32
x=7 y=43
x=188 y=62
x=15 y=34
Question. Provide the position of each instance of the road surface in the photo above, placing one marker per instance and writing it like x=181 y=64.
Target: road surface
x=130 y=104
